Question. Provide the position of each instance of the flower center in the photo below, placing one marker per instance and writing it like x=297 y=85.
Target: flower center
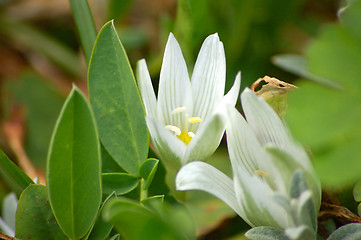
x=187 y=133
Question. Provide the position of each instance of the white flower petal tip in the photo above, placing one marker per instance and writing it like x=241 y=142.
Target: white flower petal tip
x=204 y=177
x=186 y=110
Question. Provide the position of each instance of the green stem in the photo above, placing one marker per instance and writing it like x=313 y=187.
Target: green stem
x=143 y=193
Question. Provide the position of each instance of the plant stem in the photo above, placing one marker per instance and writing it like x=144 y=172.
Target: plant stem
x=143 y=193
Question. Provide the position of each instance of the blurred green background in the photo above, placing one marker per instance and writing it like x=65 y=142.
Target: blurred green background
x=40 y=57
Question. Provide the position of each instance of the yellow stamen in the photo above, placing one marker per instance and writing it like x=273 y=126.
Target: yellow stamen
x=173 y=129
x=194 y=119
x=178 y=110
x=191 y=134
x=184 y=136
x=261 y=173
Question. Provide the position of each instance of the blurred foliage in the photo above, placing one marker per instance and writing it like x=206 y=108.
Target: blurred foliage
x=328 y=119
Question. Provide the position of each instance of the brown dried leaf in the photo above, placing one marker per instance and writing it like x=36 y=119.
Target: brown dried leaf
x=274 y=92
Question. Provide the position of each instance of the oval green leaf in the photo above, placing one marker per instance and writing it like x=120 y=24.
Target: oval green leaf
x=73 y=170
x=120 y=183
x=34 y=219
x=116 y=102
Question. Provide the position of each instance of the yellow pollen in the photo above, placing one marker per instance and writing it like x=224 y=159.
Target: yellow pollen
x=178 y=110
x=261 y=173
x=184 y=136
x=194 y=119
x=173 y=129
x=188 y=124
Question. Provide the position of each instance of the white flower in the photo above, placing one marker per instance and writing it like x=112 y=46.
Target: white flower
x=185 y=122
x=273 y=182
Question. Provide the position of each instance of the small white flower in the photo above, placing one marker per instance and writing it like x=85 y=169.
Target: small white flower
x=273 y=182
x=186 y=121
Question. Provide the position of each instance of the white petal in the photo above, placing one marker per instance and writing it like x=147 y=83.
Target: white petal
x=256 y=200
x=263 y=120
x=202 y=176
x=174 y=86
x=206 y=140
x=244 y=149
x=209 y=76
x=232 y=95
x=6 y=229
x=168 y=146
x=146 y=89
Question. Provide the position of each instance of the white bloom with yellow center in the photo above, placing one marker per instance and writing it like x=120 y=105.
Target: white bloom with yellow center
x=186 y=121
x=273 y=183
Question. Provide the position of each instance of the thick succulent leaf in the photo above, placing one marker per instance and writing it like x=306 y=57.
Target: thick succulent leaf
x=116 y=102
x=350 y=231
x=266 y=233
x=300 y=233
x=306 y=211
x=357 y=191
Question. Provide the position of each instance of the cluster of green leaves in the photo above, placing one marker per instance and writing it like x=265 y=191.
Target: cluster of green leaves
x=80 y=201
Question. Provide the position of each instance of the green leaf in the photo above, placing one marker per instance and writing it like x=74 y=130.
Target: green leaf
x=100 y=229
x=116 y=102
x=357 y=191
x=147 y=171
x=34 y=218
x=73 y=171
x=266 y=233
x=136 y=222
x=116 y=237
x=13 y=175
x=149 y=202
x=85 y=25
x=108 y=163
x=328 y=120
x=298 y=65
x=350 y=231
x=120 y=183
